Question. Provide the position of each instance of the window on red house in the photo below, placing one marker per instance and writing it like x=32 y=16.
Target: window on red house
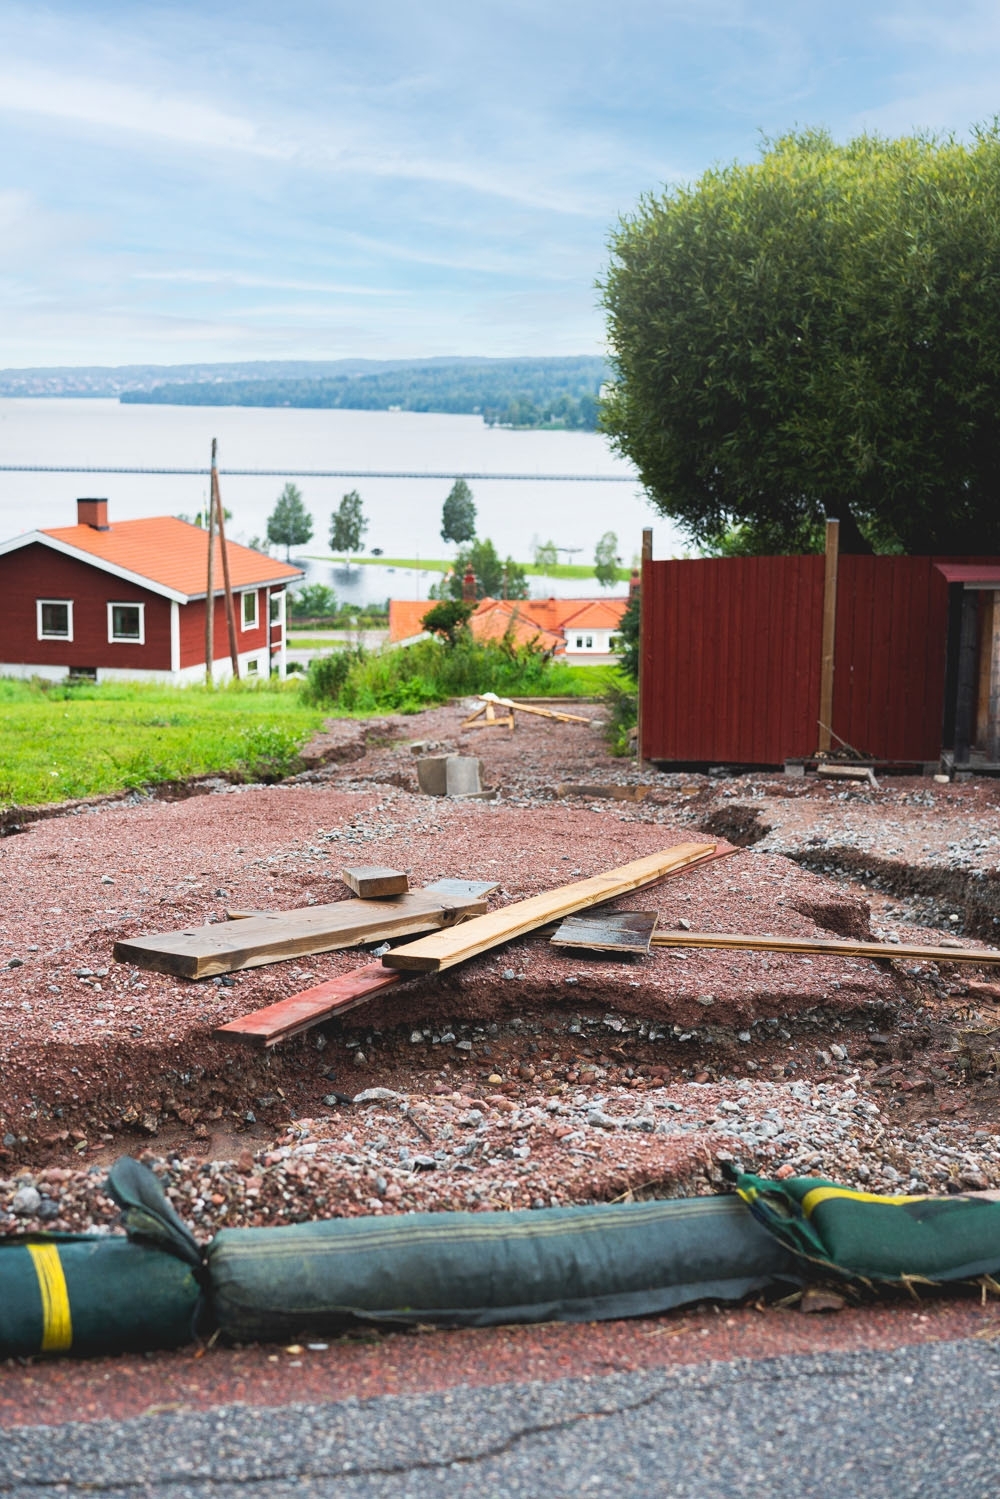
x=55 y=619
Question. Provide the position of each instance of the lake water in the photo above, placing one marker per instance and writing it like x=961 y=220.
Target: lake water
x=404 y=514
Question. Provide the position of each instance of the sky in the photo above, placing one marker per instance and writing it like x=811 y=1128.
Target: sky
x=318 y=179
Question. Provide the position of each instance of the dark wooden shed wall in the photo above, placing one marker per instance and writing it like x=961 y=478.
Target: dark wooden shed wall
x=731 y=658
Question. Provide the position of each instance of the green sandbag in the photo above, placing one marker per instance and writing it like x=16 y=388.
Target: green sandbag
x=878 y=1238
x=91 y=1293
x=479 y=1269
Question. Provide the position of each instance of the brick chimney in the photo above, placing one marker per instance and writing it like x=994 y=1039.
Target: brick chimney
x=93 y=513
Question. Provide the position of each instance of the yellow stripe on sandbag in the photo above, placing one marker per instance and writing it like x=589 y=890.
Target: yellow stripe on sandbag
x=57 y=1322
x=822 y=1194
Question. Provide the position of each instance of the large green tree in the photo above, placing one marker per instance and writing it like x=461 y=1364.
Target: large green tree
x=458 y=514
x=289 y=524
x=496 y=577
x=348 y=524
x=817 y=333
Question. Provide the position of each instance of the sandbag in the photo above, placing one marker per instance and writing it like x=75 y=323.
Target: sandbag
x=479 y=1269
x=859 y=1234
x=90 y=1293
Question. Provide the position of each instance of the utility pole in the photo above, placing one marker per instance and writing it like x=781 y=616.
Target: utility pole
x=230 y=612
x=210 y=585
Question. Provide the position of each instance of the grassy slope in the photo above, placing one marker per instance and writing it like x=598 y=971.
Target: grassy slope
x=66 y=742
x=443 y=564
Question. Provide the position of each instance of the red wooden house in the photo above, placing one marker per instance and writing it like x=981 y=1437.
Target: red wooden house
x=767 y=660
x=127 y=600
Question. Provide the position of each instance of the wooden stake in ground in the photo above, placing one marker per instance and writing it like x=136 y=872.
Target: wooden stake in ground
x=210 y=585
x=445 y=949
x=234 y=655
x=826 y=946
x=645 y=594
x=829 y=634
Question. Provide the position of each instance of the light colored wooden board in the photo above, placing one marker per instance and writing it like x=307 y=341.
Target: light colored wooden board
x=222 y=947
x=372 y=881
x=607 y=931
x=277 y=1022
x=829 y=946
x=523 y=707
x=444 y=949
x=604 y=793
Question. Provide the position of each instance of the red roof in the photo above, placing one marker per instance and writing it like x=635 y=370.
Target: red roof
x=169 y=553
x=983 y=574
x=406 y=618
x=496 y=619
x=596 y=614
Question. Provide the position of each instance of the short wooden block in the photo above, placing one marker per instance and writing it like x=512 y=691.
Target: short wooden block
x=373 y=880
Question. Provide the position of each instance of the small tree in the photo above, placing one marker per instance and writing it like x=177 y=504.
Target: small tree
x=348 y=525
x=458 y=517
x=289 y=524
x=495 y=577
x=606 y=559
x=546 y=555
x=448 y=619
x=314 y=601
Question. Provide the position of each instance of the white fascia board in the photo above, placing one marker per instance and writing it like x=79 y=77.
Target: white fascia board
x=103 y=566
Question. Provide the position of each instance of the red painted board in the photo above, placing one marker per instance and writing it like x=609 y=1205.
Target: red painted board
x=310 y=1007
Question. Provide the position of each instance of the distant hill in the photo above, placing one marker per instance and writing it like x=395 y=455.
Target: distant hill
x=561 y=392
x=510 y=392
x=113 y=380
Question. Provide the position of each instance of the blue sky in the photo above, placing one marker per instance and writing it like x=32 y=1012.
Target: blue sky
x=216 y=180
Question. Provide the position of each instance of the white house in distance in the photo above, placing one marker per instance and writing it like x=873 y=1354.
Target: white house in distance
x=127 y=600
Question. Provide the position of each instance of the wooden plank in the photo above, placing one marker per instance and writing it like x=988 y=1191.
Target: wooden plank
x=824 y=946
x=604 y=793
x=277 y=1022
x=464 y=892
x=522 y=707
x=444 y=949
x=611 y=931
x=373 y=880
x=222 y=947
x=829 y=634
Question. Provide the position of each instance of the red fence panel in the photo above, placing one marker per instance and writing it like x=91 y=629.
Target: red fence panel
x=732 y=648
x=731 y=658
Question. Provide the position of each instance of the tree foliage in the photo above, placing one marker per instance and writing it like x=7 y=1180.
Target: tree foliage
x=289 y=524
x=496 y=577
x=606 y=559
x=458 y=515
x=348 y=524
x=448 y=619
x=546 y=554
x=817 y=334
x=313 y=601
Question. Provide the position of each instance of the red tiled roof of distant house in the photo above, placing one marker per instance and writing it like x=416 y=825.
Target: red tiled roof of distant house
x=496 y=619
x=406 y=618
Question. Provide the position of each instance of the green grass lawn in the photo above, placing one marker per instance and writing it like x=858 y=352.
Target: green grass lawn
x=443 y=564
x=61 y=742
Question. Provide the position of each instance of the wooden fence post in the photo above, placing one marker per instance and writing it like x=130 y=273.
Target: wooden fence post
x=644 y=591
x=829 y=635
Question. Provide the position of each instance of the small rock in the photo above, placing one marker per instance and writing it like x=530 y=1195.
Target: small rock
x=509 y=973
x=599 y=1120
x=377 y=1095
x=416 y=1037
x=106 y=879
x=838 y=1052
x=15 y=963
x=359 y=1059
x=27 y=1201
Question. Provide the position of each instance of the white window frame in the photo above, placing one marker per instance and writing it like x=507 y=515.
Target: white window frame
x=114 y=639
x=276 y=606
x=590 y=643
x=253 y=624
x=38 y=618
x=579 y=642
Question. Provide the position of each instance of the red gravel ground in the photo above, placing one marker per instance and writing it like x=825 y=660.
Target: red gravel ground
x=857 y=1069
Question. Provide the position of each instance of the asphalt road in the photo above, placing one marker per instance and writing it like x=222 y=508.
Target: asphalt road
x=917 y=1421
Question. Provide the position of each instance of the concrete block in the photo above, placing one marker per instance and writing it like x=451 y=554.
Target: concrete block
x=463 y=775
x=432 y=774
